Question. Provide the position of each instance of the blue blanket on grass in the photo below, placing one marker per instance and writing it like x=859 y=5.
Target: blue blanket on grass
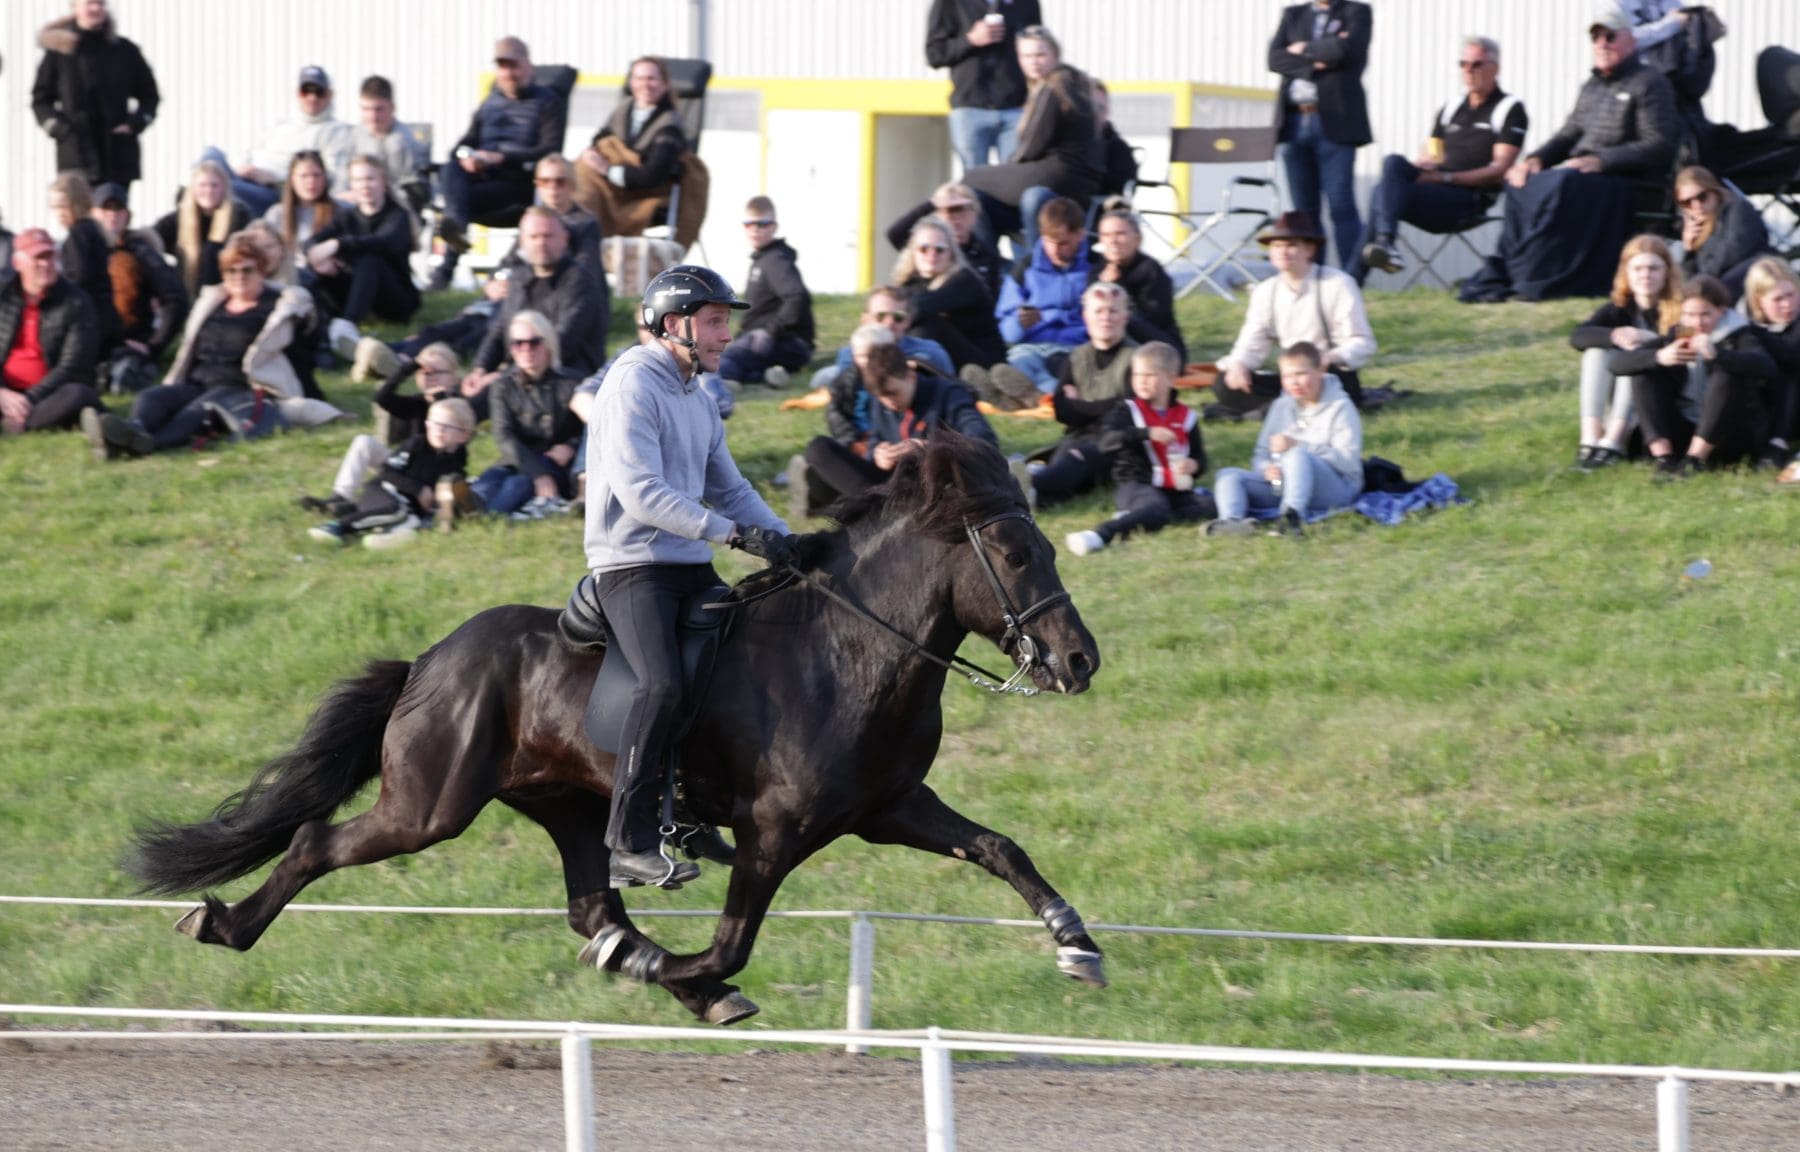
x=1390 y=508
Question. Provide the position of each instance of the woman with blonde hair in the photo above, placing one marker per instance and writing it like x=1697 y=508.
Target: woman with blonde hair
x=535 y=430
x=1772 y=298
x=948 y=301
x=1722 y=233
x=1645 y=301
x=203 y=220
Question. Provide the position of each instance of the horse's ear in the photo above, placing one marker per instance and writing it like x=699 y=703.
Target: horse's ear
x=941 y=473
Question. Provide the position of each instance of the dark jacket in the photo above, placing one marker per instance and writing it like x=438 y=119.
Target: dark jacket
x=659 y=143
x=1152 y=302
x=1057 y=144
x=84 y=256
x=387 y=235
x=987 y=77
x=963 y=304
x=1115 y=161
x=523 y=130
x=1344 y=50
x=87 y=85
x=1125 y=441
x=779 y=301
x=406 y=411
x=1742 y=354
x=983 y=259
x=584 y=244
x=1738 y=237
x=530 y=418
x=1597 y=330
x=1627 y=119
x=575 y=301
x=416 y=466
x=205 y=270
x=937 y=403
x=158 y=283
x=67 y=331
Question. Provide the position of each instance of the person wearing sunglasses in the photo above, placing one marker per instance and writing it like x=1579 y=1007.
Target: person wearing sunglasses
x=535 y=429
x=1571 y=204
x=1459 y=173
x=948 y=300
x=775 y=338
x=1722 y=233
x=257 y=177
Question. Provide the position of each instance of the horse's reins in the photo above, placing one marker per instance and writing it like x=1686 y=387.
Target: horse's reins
x=1027 y=650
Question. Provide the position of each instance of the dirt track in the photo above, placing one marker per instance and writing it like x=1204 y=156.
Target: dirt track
x=227 y=1096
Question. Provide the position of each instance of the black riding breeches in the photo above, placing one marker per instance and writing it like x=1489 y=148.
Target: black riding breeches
x=643 y=609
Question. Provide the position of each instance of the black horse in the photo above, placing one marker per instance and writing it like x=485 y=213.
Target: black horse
x=821 y=722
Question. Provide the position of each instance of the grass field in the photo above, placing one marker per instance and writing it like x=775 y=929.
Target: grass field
x=1512 y=719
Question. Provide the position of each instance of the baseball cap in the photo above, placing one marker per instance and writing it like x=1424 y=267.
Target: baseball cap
x=110 y=193
x=316 y=76
x=1608 y=14
x=33 y=241
x=510 y=48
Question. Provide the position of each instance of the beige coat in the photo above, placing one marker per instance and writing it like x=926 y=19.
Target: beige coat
x=266 y=363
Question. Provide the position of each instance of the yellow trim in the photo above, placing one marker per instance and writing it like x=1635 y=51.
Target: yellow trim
x=866 y=211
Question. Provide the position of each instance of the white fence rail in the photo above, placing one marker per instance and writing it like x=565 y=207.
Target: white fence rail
x=859 y=998
x=934 y=1046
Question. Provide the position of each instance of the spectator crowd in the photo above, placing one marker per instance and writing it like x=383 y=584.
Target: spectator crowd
x=1022 y=286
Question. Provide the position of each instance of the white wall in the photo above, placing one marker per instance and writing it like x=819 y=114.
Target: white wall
x=227 y=70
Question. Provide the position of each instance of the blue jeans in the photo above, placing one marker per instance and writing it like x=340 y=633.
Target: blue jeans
x=1438 y=208
x=974 y=132
x=1308 y=484
x=752 y=353
x=1315 y=166
x=1034 y=361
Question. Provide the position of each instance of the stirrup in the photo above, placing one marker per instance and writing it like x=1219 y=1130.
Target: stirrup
x=653 y=869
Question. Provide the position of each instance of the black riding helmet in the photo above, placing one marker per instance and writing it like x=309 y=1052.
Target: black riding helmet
x=681 y=290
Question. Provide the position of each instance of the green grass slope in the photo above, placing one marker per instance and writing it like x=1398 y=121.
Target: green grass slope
x=1512 y=720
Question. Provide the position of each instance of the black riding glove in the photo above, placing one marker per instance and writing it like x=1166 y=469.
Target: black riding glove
x=771 y=546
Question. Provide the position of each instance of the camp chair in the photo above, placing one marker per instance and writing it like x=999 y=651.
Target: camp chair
x=1217 y=237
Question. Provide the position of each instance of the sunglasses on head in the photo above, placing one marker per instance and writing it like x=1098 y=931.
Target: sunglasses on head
x=527 y=342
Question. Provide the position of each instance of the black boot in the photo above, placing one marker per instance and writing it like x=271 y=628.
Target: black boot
x=651 y=867
x=634 y=822
x=703 y=842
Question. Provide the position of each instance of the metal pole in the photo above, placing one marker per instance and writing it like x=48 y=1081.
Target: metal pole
x=1672 y=1114
x=858 y=1002
x=578 y=1094
x=698 y=21
x=940 y=1114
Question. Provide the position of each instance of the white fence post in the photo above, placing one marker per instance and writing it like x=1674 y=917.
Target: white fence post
x=857 y=1003
x=578 y=1093
x=940 y=1113
x=1672 y=1114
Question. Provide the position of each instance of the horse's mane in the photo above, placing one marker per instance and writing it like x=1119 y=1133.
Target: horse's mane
x=956 y=480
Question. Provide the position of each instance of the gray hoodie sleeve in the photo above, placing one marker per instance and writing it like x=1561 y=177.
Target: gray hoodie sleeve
x=630 y=453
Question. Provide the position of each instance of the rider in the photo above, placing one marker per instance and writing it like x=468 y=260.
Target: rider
x=656 y=450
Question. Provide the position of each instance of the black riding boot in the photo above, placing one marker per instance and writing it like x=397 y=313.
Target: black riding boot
x=634 y=821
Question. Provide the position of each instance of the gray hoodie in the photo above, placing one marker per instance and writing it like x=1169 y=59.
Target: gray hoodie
x=1329 y=428
x=656 y=450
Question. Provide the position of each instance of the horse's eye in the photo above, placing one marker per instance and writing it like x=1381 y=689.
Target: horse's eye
x=1016 y=559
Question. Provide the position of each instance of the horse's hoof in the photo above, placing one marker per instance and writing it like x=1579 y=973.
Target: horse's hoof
x=600 y=949
x=731 y=1008
x=195 y=923
x=1083 y=965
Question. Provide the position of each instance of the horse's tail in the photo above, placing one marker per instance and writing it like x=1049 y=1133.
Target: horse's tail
x=339 y=753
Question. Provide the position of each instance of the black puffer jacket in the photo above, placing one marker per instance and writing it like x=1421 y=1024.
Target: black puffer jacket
x=574 y=299
x=1626 y=119
x=88 y=84
x=66 y=330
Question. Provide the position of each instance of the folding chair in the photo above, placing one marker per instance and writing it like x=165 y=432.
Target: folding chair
x=1423 y=253
x=1228 y=229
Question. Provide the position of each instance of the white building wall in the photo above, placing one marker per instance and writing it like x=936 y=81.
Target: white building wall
x=227 y=70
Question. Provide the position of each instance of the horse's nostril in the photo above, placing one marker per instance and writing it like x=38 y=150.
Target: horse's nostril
x=1080 y=666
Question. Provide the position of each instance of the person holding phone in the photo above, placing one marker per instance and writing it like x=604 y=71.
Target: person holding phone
x=1705 y=385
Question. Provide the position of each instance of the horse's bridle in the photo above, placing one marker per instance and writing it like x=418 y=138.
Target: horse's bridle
x=1015 y=641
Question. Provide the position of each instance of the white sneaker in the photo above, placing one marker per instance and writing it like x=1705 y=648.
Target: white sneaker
x=399 y=536
x=1081 y=543
x=775 y=376
x=343 y=337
